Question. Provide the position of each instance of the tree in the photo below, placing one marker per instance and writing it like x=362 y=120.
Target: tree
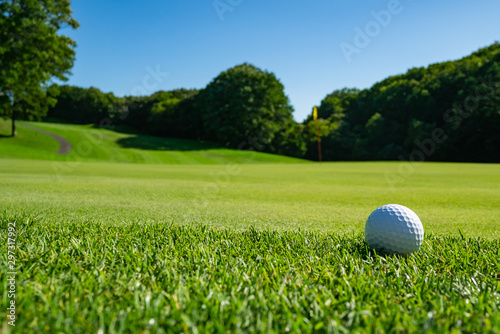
x=166 y=117
x=83 y=105
x=31 y=54
x=244 y=107
x=335 y=104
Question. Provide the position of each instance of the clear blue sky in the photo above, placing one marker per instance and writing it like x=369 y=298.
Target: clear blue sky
x=298 y=40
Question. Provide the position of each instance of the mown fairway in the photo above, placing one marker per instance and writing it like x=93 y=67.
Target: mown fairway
x=247 y=247
x=329 y=197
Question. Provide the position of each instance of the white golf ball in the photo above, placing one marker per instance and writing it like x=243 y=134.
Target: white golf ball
x=394 y=229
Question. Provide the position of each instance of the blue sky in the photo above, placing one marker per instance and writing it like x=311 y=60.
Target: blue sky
x=313 y=46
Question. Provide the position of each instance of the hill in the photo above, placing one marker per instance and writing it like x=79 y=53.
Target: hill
x=90 y=143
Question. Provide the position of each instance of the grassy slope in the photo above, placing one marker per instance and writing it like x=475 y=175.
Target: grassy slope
x=94 y=144
x=334 y=197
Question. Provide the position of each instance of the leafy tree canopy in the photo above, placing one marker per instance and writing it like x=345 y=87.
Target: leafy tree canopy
x=31 y=53
x=244 y=106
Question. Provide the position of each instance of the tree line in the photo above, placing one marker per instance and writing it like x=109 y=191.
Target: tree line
x=447 y=111
x=242 y=108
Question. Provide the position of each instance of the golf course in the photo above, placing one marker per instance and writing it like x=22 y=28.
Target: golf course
x=209 y=239
x=235 y=166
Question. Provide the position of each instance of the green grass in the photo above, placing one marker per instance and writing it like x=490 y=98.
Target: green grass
x=97 y=144
x=332 y=197
x=270 y=247
x=164 y=278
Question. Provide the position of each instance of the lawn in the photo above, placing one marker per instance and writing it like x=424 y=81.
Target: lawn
x=133 y=277
x=328 y=197
x=92 y=143
x=264 y=247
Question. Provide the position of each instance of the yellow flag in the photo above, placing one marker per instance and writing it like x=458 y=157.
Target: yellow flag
x=315 y=113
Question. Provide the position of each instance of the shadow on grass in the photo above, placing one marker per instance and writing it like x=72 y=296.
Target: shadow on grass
x=120 y=128
x=56 y=120
x=139 y=140
x=144 y=142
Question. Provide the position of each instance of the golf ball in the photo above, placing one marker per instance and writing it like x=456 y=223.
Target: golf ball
x=394 y=229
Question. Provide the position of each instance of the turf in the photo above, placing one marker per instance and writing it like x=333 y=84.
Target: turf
x=163 y=278
x=223 y=246
x=332 y=197
x=98 y=144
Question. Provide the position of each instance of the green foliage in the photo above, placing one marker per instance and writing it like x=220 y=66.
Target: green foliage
x=161 y=277
x=334 y=105
x=31 y=53
x=83 y=105
x=245 y=107
x=289 y=140
x=310 y=135
x=158 y=114
x=171 y=118
x=458 y=99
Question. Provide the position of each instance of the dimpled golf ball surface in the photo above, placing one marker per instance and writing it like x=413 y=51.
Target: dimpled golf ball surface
x=394 y=229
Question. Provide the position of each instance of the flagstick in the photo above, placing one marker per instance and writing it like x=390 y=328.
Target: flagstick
x=319 y=140
x=315 y=116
